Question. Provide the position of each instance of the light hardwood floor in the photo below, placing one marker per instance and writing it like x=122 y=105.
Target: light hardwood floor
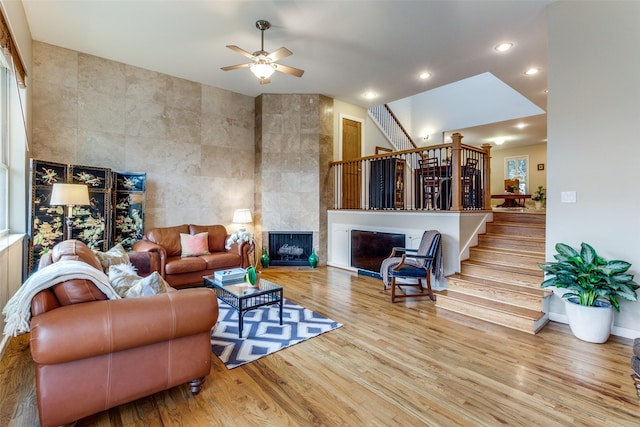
x=403 y=364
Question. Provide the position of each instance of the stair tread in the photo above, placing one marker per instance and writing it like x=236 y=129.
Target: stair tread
x=512 y=287
x=493 y=305
x=505 y=267
x=509 y=251
x=512 y=237
x=519 y=224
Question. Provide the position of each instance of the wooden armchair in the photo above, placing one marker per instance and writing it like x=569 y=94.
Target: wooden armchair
x=414 y=264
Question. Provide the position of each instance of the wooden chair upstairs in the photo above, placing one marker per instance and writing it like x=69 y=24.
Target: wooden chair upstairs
x=430 y=168
x=414 y=264
x=510 y=183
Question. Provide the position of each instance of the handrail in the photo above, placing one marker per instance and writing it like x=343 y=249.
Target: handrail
x=395 y=118
x=391 y=127
x=392 y=154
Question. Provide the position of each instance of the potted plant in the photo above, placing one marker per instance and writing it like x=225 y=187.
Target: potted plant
x=594 y=286
x=514 y=189
x=539 y=197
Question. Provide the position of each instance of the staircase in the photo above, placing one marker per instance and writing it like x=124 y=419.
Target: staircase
x=500 y=282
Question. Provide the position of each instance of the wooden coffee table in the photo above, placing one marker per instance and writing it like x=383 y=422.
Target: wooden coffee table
x=244 y=297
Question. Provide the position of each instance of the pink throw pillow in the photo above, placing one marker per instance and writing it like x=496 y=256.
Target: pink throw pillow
x=194 y=245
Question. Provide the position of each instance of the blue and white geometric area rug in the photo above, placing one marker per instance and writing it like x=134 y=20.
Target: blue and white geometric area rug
x=262 y=333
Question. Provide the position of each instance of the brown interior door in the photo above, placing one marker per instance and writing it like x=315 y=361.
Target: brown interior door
x=351 y=172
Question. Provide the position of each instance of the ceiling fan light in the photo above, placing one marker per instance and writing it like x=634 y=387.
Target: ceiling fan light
x=262 y=71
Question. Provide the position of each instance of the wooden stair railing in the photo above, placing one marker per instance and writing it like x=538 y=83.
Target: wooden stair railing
x=391 y=127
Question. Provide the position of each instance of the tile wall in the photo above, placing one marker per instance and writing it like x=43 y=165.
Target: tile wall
x=195 y=142
x=206 y=151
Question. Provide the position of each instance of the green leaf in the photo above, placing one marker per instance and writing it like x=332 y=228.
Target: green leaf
x=623 y=278
x=627 y=293
x=617 y=266
x=566 y=250
x=588 y=254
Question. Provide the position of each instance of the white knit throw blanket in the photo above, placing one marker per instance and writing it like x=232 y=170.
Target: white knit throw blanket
x=17 y=312
x=425 y=245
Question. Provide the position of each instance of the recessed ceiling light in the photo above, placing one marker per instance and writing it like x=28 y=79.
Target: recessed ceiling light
x=425 y=75
x=499 y=141
x=503 y=47
x=370 y=95
x=531 y=71
x=521 y=125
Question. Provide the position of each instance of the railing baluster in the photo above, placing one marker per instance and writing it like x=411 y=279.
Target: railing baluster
x=353 y=180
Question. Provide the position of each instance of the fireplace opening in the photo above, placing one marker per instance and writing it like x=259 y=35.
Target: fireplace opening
x=290 y=247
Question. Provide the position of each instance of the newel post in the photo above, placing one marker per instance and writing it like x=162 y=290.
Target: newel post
x=486 y=176
x=456 y=172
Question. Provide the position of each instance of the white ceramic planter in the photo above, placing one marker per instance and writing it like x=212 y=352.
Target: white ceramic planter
x=591 y=324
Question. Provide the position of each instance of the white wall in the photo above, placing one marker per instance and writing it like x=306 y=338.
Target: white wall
x=593 y=126
x=458 y=232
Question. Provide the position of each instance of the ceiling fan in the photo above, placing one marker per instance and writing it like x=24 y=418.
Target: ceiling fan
x=263 y=64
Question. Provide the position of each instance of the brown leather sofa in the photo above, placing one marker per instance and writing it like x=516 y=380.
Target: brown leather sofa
x=182 y=272
x=92 y=353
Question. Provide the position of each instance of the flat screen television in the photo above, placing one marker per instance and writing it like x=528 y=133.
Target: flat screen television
x=370 y=248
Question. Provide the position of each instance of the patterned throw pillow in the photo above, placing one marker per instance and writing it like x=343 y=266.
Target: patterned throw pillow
x=114 y=256
x=128 y=284
x=194 y=244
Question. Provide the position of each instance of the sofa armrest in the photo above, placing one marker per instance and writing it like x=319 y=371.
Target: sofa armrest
x=145 y=262
x=102 y=327
x=245 y=250
x=147 y=246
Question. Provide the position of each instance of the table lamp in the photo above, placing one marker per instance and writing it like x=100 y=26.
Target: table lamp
x=242 y=217
x=69 y=195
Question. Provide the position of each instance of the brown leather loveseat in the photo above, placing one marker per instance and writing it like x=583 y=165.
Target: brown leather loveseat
x=182 y=270
x=92 y=353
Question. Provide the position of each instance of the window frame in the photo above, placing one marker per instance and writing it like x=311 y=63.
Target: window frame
x=524 y=184
x=5 y=146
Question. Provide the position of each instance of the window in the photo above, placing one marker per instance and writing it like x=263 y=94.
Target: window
x=517 y=168
x=4 y=149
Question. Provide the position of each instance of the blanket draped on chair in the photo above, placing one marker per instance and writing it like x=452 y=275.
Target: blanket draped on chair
x=423 y=249
x=17 y=311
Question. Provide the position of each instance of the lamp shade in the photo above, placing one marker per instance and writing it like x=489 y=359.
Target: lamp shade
x=69 y=194
x=242 y=216
x=262 y=70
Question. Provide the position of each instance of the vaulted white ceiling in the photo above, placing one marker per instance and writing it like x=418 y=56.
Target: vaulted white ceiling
x=345 y=47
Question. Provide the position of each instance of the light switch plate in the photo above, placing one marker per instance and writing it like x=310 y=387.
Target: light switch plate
x=568 y=197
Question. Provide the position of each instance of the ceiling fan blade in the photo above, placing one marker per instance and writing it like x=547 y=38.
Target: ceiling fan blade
x=240 y=51
x=265 y=81
x=235 y=67
x=276 y=55
x=289 y=70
